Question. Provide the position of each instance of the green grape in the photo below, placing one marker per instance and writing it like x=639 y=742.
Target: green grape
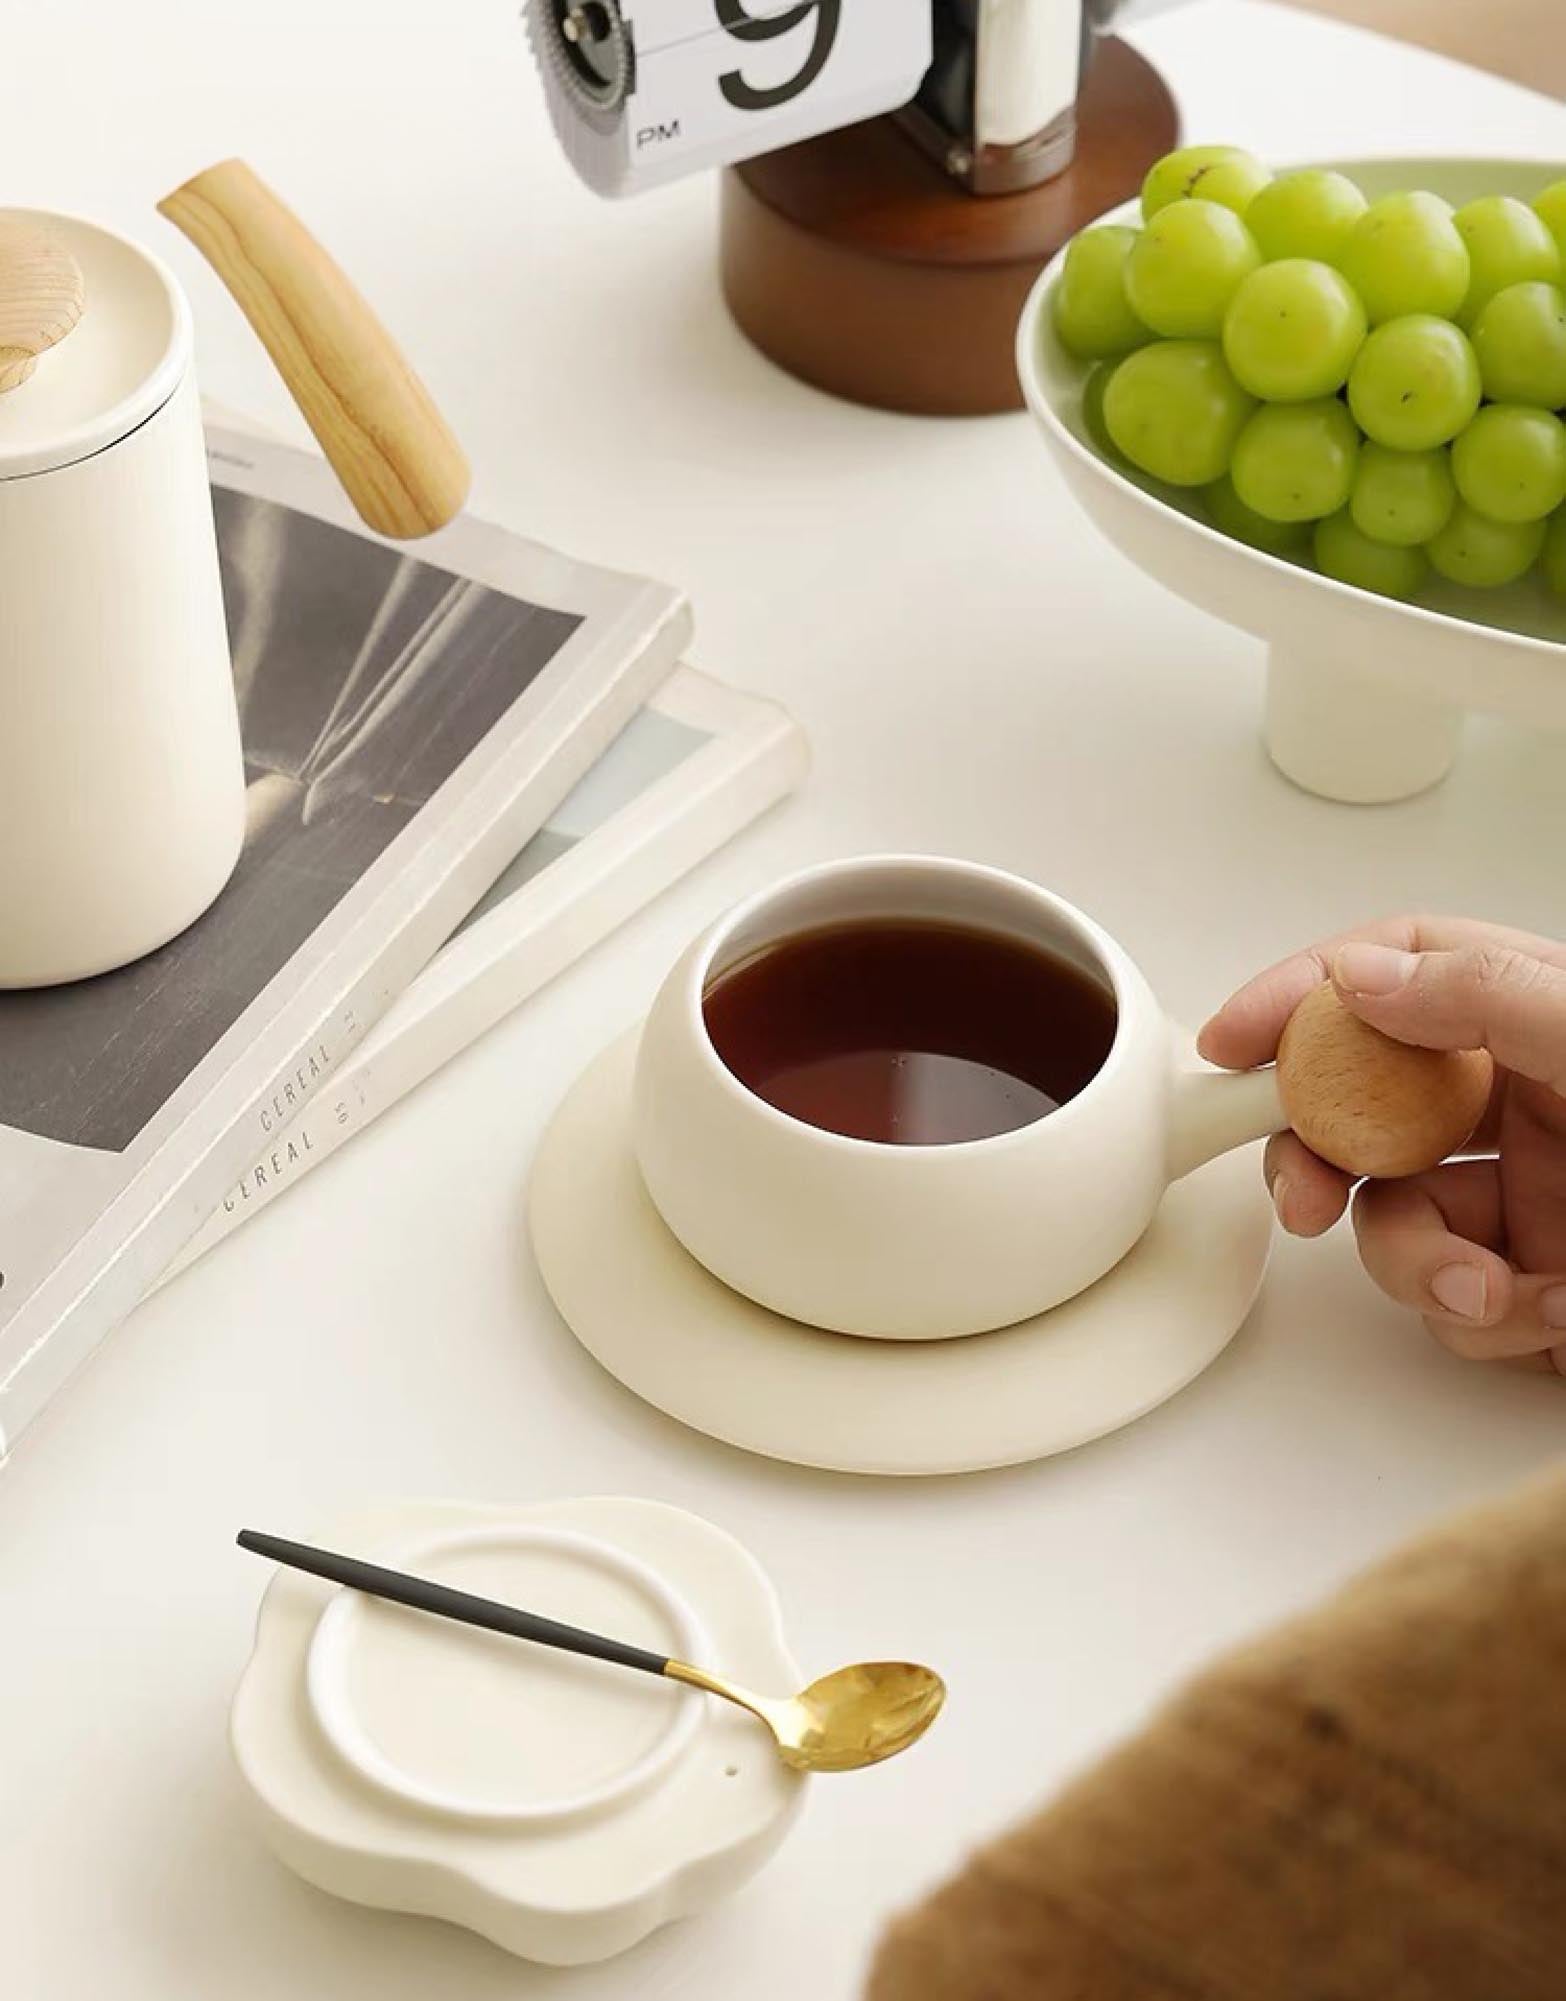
x=1404 y=255
x=1510 y=463
x=1092 y=314
x=1175 y=410
x=1550 y=207
x=1228 y=512
x=1226 y=174
x=1295 y=461
x=1553 y=559
x=1185 y=266
x=1308 y=213
x=1345 y=552
x=1471 y=549
x=1520 y=341
x=1093 y=410
x=1292 y=330
x=1414 y=383
x=1507 y=245
x=1401 y=498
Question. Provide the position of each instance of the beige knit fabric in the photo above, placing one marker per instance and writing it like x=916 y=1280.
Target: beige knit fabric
x=1367 y=1805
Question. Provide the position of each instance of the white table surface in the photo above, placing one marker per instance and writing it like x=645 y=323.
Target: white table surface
x=980 y=673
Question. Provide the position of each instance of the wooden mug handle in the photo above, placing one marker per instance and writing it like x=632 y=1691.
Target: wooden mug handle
x=374 y=419
x=40 y=297
x=1368 y=1104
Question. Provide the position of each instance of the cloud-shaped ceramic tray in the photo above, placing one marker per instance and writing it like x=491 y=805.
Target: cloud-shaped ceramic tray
x=561 y=1807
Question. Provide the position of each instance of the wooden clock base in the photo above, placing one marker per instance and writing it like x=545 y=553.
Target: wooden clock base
x=855 y=263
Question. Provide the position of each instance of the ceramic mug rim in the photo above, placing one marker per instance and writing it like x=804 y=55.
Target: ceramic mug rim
x=1110 y=961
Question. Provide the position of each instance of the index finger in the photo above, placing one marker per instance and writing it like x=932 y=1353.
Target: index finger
x=1245 y=1030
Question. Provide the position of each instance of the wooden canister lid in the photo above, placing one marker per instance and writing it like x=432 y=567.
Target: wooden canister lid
x=41 y=295
x=129 y=339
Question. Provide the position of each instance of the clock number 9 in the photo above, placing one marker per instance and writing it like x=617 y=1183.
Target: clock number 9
x=744 y=27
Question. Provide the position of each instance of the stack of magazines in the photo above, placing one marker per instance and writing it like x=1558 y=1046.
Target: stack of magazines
x=464 y=768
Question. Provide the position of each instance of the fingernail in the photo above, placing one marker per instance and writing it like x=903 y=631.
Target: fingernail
x=1282 y=1188
x=1373 y=970
x=1552 y=1306
x=1461 y=1290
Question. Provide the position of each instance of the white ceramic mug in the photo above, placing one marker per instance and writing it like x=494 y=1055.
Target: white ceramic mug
x=920 y=1242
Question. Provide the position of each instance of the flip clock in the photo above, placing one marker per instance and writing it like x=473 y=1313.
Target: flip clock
x=895 y=171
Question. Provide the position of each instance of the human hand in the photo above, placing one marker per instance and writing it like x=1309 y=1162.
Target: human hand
x=1477 y=1247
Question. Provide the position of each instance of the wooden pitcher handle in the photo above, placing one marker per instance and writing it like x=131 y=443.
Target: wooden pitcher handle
x=374 y=419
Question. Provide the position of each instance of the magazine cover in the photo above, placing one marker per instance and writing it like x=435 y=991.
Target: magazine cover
x=409 y=721
x=698 y=763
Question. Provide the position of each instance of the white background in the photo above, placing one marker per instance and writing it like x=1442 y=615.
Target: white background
x=980 y=674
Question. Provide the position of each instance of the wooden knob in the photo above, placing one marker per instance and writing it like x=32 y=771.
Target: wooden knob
x=1368 y=1104
x=374 y=419
x=40 y=297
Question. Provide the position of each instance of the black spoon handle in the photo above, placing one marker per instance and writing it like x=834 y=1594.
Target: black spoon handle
x=422 y=1594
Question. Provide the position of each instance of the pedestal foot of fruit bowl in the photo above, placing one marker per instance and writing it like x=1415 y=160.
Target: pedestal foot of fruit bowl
x=1344 y=734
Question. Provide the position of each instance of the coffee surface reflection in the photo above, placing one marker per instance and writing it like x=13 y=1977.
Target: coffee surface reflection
x=910 y=1033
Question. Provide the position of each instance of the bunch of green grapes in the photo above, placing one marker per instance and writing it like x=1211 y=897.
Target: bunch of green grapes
x=1374 y=385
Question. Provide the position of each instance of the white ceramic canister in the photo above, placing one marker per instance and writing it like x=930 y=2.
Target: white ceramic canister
x=121 y=782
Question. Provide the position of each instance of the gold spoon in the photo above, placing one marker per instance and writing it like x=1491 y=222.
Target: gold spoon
x=856 y=1716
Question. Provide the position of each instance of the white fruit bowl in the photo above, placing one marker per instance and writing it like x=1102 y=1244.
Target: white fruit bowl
x=1366 y=696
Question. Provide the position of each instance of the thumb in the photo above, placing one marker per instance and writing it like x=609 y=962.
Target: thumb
x=1483 y=997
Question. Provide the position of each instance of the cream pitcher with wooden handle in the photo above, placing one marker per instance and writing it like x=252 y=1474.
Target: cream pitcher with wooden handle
x=122 y=790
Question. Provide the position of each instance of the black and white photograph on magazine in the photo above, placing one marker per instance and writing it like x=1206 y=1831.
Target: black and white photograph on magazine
x=365 y=676
x=409 y=723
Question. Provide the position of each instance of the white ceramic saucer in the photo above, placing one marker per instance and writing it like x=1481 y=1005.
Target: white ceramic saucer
x=677 y=1337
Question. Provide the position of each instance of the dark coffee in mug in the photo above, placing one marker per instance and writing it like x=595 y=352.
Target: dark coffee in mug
x=911 y=1033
